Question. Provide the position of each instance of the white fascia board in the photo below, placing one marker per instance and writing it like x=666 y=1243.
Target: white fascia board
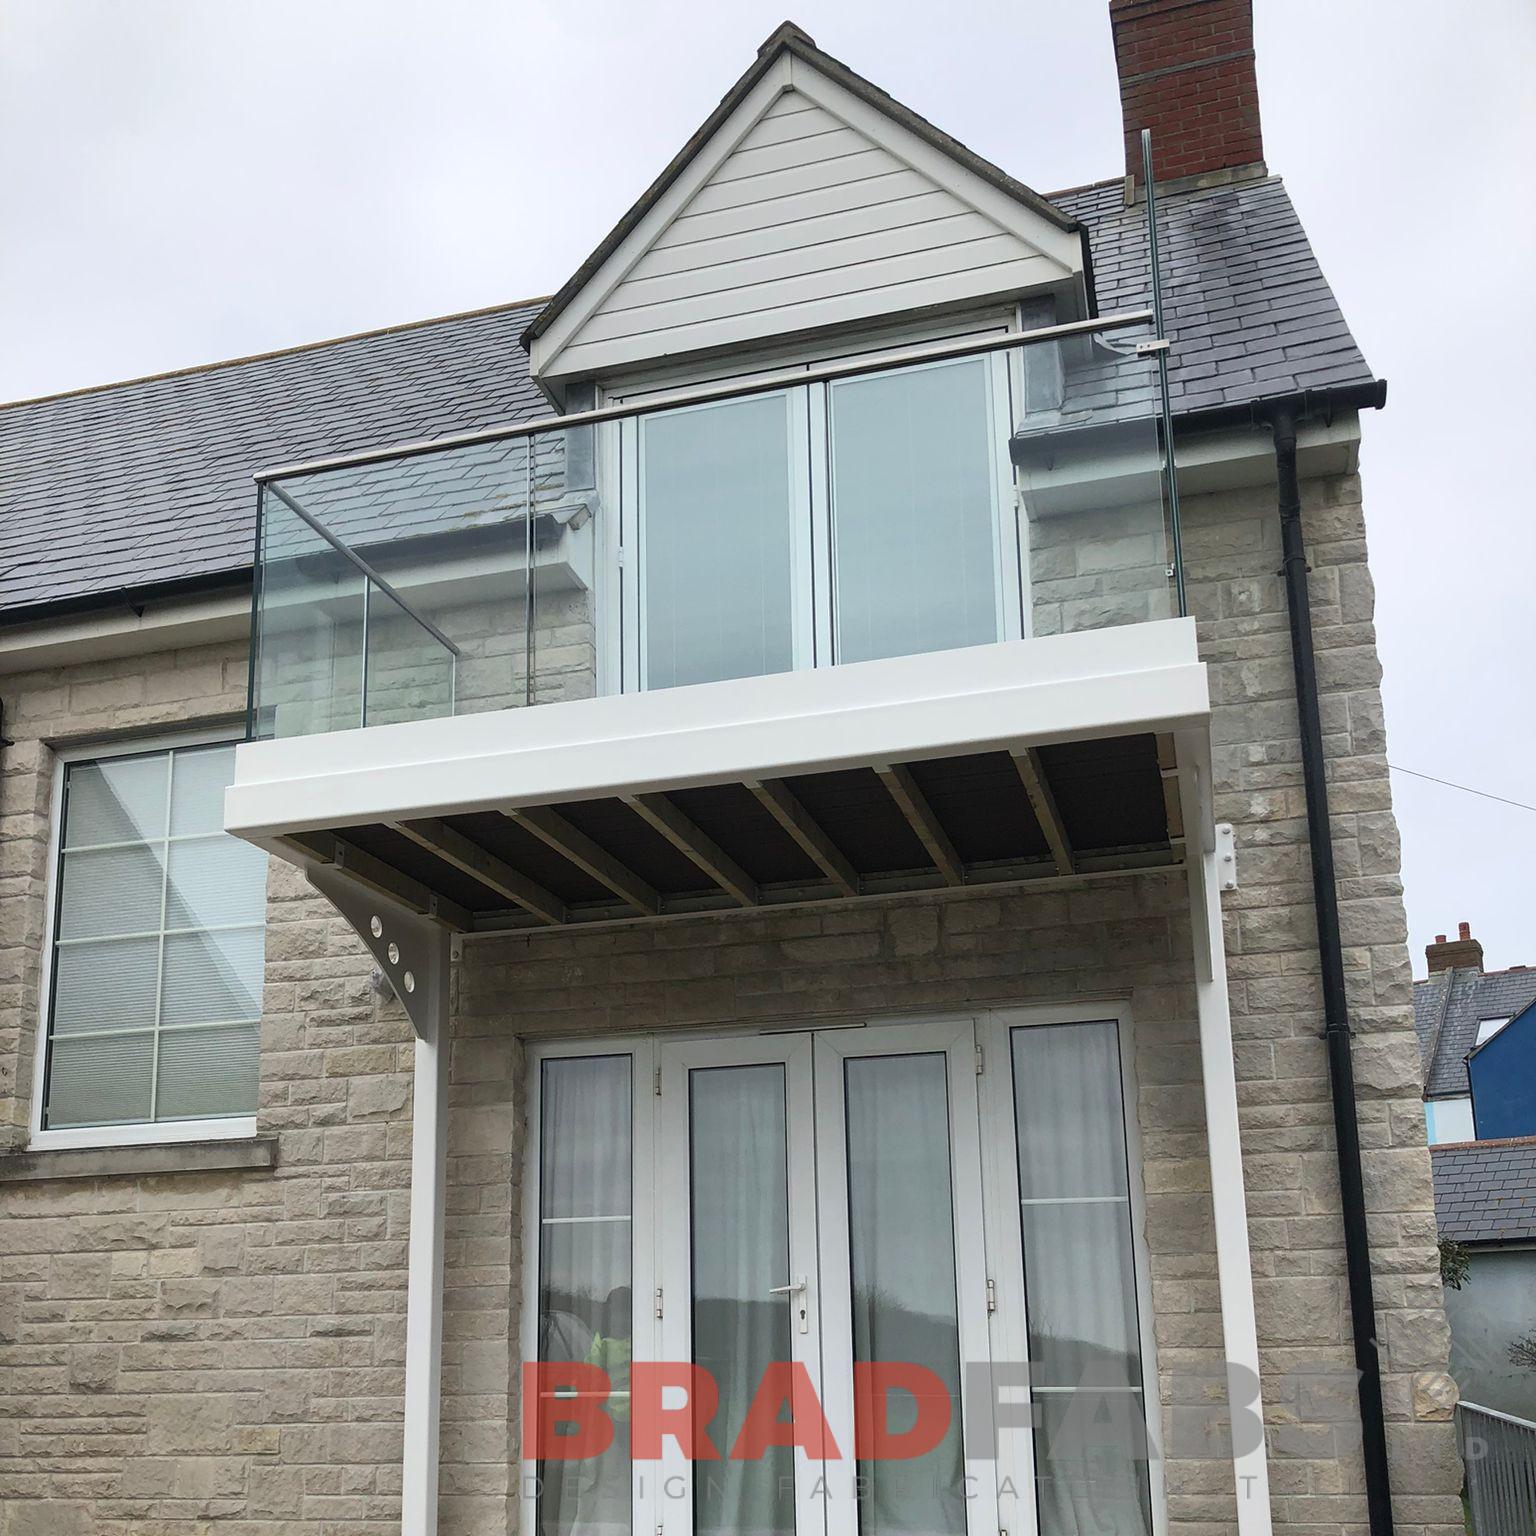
x=987 y=698
x=165 y=624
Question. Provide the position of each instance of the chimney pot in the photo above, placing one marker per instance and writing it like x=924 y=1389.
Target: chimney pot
x=1462 y=953
x=1187 y=72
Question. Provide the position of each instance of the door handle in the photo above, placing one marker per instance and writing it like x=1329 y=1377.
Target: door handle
x=796 y=1287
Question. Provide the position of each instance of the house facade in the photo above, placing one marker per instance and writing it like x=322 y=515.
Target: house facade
x=758 y=912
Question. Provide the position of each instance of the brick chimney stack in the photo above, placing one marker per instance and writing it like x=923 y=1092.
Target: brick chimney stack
x=1187 y=72
x=1461 y=953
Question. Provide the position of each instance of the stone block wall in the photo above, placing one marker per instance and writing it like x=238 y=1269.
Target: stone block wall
x=227 y=1345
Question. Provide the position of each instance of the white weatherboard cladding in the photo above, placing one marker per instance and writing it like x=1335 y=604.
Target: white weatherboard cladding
x=807 y=208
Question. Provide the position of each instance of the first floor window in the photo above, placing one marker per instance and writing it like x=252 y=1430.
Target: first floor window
x=157 y=953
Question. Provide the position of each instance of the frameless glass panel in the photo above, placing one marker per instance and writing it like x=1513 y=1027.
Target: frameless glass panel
x=309 y=673
x=739 y=1189
x=410 y=671
x=1088 y=462
x=716 y=509
x=105 y=984
x=902 y=1260
x=1080 y=1280
x=914 y=511
x=116 y=801
x=207 y=1072
x=215 y=881
x=586 y=1310
x=100 y=1080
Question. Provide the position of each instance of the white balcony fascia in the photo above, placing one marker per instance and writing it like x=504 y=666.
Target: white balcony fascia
x=1143 y=677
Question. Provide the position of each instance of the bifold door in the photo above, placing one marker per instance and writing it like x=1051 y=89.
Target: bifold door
x=868 y=1258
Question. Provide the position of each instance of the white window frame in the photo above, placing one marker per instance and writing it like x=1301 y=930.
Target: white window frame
x=141 y=1133
x=983 y=1030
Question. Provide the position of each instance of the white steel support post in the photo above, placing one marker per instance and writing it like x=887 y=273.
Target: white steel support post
x=1234 y=1273
x=415 y=955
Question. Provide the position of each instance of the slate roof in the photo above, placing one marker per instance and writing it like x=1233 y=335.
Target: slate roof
x=1447 y=1008
x=148 y=482
x=1248 y=310
x=134 y=485
x=1485 y=1191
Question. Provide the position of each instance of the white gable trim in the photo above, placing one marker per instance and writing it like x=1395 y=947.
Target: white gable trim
x=1053 y=255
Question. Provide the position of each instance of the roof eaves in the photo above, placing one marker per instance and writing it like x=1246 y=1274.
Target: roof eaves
x=786 y=38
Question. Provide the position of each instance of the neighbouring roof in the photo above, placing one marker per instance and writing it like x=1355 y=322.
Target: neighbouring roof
x=1447 y=1008
x=134 y=485
x=1485 y=1191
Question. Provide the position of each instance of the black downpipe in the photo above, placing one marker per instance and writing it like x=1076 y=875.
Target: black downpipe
x=1336 y=1030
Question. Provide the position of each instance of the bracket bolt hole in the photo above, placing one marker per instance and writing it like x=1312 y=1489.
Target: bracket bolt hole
x=394 y=954
x=376 y=928
x=410 y=982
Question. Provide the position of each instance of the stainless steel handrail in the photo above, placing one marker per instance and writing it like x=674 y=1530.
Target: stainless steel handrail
x=884 y=363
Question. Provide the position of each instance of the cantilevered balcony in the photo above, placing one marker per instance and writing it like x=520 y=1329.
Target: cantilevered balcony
x=900 y=623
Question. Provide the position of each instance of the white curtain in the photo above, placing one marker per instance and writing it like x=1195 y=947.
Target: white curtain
x=740 y=1195
x=1085 y=1359
x=902 y=1257
x=586 y=1310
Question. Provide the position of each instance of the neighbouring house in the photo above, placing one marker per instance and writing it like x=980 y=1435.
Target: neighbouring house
x=1477 y=1038
x=1485 y=1201
x=752 y=814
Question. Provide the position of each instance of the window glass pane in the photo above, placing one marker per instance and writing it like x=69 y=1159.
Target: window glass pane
x=199 y=777
x=1091 y=1464
x=216 y=881
x=111 y=890
x=586 y=1309
x=213 y=977
x=105 y=985
x=104 y=1080
x=902 y=1257
x=116 y=801
x=739 y=1187
x=717 y=545
x=913 y=512
x=144 y=857
x=205 y=1072
x=1080 y=1280
x=1067 y=1101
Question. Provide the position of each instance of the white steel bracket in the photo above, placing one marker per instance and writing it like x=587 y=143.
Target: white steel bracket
x=1226 y=856
x=412 y=951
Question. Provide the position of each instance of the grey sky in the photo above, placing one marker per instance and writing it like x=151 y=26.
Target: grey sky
x=186 y=180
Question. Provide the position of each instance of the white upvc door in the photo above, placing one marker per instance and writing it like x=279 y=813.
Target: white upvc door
x=903 y=1274
x=740 y=1292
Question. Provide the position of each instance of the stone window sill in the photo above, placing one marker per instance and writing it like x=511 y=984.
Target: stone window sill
x=258 y=1152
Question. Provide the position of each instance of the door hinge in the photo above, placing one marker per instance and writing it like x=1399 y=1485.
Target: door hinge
x=656 y=1081
x=991 y=1296
x=658 y=1301
x=981 y=1061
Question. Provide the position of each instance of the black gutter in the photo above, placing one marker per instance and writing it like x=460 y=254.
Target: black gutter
x=1282 y=419
x=136 y=598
